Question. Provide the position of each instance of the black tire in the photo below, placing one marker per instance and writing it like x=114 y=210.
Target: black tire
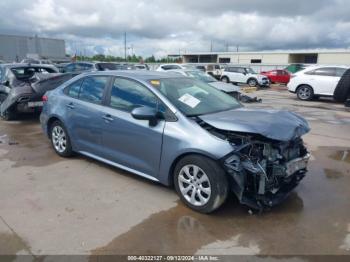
x=342 y=90
x=225 y=79
x=218 y=182
x=252 y=82
x=305 y=92
x=8 y=114
x=67 y=152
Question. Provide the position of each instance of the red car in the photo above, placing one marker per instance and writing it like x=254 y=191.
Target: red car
x=277 y=76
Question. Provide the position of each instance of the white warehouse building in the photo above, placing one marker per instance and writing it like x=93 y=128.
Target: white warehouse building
x=336 y=56
x=15 y=48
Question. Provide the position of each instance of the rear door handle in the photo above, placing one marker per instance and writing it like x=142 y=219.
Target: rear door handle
x=108 y=118
x=71 y=106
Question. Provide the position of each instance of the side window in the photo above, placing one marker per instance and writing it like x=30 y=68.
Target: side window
x=241 y=70
x=340 y=71
x=92 y=88
x=73 y=89
x=325 y=71
x=127 y=94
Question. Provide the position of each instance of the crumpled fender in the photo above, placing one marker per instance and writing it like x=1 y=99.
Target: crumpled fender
x=13 y=95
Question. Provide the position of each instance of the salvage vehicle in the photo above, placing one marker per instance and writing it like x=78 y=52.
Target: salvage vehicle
x=229 y=89
x=277 y=76
x=244 y=75
x=316 y=81
x=22 y=86
x=166 y=67
x=80 y=67
x=179 y=131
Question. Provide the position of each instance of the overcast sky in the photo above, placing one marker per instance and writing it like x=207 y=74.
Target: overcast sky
x=160 y=27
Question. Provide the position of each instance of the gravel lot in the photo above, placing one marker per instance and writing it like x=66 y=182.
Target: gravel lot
x=50 y=205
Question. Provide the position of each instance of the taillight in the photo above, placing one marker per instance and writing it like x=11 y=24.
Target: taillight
x=45 y=98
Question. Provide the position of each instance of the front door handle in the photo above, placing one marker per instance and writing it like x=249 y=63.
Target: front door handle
x=71 y=106
x=108 y=118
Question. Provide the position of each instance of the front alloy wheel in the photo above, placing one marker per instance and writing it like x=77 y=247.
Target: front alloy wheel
x=194 y=185
x=201 y=183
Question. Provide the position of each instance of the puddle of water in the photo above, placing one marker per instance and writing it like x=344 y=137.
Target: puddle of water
x=310 y=221
x=341 y=155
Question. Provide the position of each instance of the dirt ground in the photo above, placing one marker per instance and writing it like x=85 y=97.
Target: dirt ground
x=50 y=205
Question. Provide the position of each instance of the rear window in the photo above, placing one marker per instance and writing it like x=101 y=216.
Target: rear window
x=108 y=66
x=28 y=72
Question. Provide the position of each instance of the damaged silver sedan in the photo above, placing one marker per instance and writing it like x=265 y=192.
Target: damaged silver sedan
x=179 y=131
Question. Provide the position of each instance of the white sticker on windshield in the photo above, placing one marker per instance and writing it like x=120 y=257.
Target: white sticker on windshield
x=189 y=100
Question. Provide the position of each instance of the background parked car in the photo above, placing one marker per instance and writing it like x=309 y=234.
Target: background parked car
x=36 y=61
x=245 y=75
x=232 y=90
x=316 y=81
x=277 y=76
x=293 y=68
x=22 y=86
x=141 y=67
x=215 y=70
x=79 y=67
x=166 y=67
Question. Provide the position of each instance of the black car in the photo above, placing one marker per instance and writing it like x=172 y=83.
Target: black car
x=23 y=85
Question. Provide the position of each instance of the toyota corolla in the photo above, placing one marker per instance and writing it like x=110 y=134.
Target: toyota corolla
x=179 y=131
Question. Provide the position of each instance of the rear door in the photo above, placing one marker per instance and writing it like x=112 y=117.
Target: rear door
x=324 y=80
x=127 y=141
x=83 y=113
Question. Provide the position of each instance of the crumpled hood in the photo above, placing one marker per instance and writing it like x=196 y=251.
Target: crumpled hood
x=273 y=124
x=225 y=87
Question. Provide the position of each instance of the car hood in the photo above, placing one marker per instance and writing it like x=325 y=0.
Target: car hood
x=225 y=87
x=272 y=124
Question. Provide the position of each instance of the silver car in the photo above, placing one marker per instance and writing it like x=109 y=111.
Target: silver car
x=179 y=131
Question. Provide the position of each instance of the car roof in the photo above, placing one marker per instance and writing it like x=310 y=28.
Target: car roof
x=19 y=65
x=136 y=74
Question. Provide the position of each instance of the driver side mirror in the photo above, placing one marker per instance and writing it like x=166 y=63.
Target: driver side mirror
x=146 y=113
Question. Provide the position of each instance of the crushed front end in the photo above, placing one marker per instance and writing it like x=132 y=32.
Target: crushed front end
x=262 y=171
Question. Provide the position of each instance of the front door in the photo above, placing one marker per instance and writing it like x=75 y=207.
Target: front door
x=129 y=142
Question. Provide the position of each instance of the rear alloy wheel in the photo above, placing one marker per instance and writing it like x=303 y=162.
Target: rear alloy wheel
x=60 y=140
x=201 y=183
x=225 y=79
x=252 y=82
x=305 y=92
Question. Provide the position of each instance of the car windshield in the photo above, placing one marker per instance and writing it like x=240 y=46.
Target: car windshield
x=202 y=76
x=193 y=97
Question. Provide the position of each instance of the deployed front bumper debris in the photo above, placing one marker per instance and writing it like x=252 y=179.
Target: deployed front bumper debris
x=263 y=173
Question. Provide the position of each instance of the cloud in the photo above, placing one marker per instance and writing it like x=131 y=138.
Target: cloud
x=164 y=26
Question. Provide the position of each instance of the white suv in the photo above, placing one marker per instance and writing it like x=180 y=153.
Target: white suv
x=316 y=81
x=246 y=75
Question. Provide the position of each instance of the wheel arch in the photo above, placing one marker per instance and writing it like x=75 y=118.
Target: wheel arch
x=300 y=85
x=252 y=78
x=50 y=121
x=178 y=158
